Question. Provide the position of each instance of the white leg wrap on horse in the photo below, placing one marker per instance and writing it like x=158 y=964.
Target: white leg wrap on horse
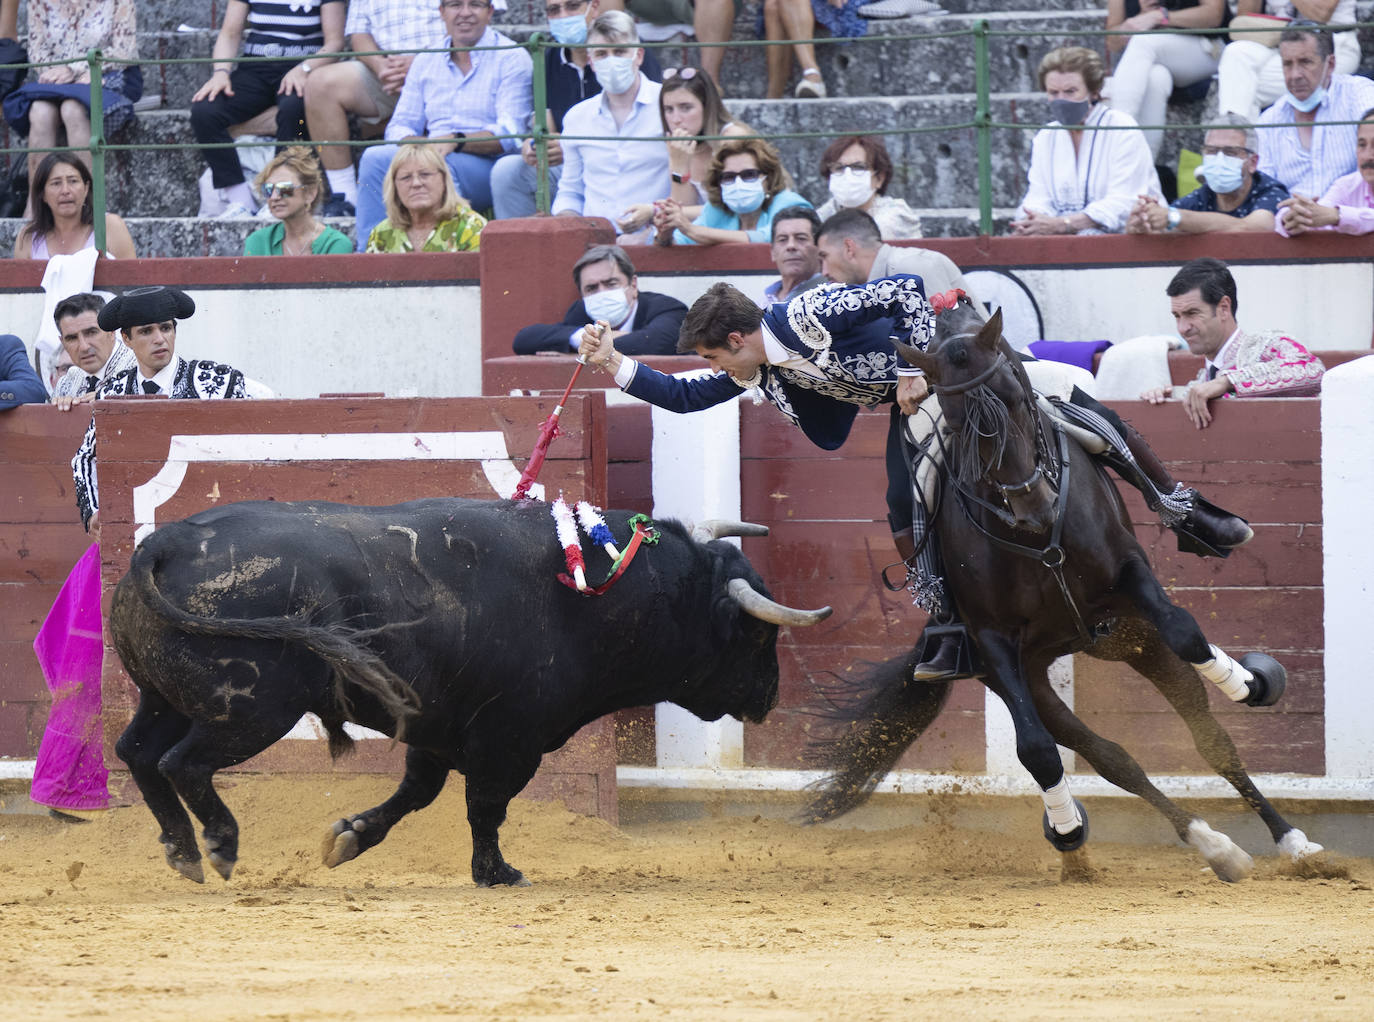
x=1226 y=674
x=1061 y=808
x=1295 y=845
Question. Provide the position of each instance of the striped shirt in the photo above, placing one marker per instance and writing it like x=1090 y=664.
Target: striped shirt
x=397 y=24
x=1311 y=171
x=495 y=96
x=284 y=28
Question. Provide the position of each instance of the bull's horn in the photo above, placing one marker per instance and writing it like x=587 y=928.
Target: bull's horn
x=716 y=528
x=755 y=604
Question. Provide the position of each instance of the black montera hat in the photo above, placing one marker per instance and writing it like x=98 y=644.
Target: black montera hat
x=145 y=305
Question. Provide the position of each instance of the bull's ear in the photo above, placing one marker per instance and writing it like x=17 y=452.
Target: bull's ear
x=992 y=331
x=916 y=357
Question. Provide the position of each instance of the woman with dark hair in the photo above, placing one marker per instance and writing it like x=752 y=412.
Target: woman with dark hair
x=63 y=218
x=858 y=170
x=745 y=187
x=57 y=104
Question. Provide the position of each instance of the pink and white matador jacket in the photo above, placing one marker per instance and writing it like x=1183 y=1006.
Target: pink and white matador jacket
x=1267 y=364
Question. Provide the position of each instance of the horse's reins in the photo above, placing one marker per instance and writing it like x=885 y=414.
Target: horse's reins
x=1052 y=555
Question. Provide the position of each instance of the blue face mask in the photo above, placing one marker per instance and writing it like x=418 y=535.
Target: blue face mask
x=569 y=31
x=743 y=196
x=1310 y=103
x=1222 y=173
x=1070 y=111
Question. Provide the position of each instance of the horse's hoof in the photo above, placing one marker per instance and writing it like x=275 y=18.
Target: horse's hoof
x=341 y=844
x=1295 y=846
x=508 y=877
x=1074 y=839
x=223 y=866
x=1228 y=860
x=1270 y=679
x=191 y=869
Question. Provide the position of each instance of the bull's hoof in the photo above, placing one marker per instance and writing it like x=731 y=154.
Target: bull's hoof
x=1074 y=839
x=1228 y=860
x=342 y=844
x=1270 y=679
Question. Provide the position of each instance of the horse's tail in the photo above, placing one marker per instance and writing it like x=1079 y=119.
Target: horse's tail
x=883 y=712
x=344 y=649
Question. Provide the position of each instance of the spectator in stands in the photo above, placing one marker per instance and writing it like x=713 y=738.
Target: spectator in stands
x=794 y=254
x=1347 y=206
x=641 y=322
x=1304 y=154
x=294 y=186
x=852 y=252
x=1235 y=196
x=465 y=97
x=1202 y=296
x=19 y=383
x=56 y=108
x=64 y=218
x=1154 y=62
x=569 y=79
x=1250 y=75
x=745 y=189
x=147 y=320
x=709 y=20
x=859 y=170
x=601 y=171
x=366 y=86
x=295 y=32
x=424 y=212
x=1083 y=181
x=792 y=19
x=96 y=354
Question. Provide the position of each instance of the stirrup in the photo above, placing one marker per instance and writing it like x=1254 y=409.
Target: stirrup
x=1190 y=542
x=933 y=638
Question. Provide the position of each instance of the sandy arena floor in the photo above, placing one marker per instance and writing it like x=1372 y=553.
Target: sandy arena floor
x=723 y=919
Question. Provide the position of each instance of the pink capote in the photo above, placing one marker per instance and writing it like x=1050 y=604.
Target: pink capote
x=70 y=772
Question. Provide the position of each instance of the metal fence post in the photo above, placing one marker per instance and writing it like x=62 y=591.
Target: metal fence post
x=93 y=62
x=539 y=125
x=982 y=118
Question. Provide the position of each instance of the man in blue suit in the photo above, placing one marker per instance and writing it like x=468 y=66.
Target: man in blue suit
x=818 y=359
x=19 y=384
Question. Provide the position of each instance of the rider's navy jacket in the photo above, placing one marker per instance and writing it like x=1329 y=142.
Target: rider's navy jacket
x=843 y=331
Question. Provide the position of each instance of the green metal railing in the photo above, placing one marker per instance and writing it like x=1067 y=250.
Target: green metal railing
x=983 y=125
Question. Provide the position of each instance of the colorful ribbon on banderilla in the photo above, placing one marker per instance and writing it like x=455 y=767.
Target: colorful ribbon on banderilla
x=595 y=526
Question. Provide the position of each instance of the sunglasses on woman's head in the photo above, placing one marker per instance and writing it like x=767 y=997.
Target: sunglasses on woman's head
x=285 y=189
x=747 y=176
x=685 y=73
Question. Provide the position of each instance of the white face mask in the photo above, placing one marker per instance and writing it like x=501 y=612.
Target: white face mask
x=616 y=74
x=611 y=305
x=851 y=188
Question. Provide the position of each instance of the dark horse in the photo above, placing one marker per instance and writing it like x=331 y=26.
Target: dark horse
x=1043 y=562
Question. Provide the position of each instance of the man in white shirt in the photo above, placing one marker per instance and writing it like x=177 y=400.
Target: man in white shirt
x=607 y=170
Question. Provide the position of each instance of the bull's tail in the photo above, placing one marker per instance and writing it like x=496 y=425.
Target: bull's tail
x=882 y=713
x=343 y=648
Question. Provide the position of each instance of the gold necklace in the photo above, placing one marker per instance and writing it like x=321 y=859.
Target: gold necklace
x=309 y=242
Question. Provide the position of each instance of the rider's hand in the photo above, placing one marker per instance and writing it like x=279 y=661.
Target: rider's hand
x=911 y=391
x=598 y=347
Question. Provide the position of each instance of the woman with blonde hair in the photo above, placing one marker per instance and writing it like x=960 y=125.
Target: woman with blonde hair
x=424 y=212
x=745 y=187
x=294 y=187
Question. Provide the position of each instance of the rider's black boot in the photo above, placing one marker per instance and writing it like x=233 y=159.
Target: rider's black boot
x=1202 y=527
x=946 y=654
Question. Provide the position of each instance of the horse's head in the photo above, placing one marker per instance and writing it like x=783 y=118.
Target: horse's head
x=987 y=403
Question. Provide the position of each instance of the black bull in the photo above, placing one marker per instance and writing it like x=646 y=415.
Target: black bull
x=440 y=622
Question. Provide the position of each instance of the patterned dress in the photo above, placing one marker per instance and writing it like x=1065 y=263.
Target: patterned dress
x=459 y=233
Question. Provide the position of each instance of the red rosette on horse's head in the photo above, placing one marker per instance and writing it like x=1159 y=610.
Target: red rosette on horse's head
x=945 y=301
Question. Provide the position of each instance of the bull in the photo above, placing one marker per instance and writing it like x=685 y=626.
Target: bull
x=439 y=622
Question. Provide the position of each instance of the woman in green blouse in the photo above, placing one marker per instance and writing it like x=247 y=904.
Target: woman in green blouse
x=424 y=211
x=292 y=184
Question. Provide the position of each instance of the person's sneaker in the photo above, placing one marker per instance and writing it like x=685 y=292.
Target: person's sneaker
x=337 y=205
x=236 y=211
x=811 y=86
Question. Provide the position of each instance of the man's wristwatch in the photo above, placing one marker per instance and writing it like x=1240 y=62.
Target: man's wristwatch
x=1173 y=219
x=681 y=179
x=305 y=66
x=460 y=139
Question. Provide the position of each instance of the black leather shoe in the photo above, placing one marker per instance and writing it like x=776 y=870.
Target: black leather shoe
x=942 y=664
x=1210 y=531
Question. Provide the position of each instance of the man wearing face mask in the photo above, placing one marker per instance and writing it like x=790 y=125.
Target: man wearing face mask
x=569 y=80
x=607 y=168
x=641 y=322
x=1235 y=196
x=1301 y=151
